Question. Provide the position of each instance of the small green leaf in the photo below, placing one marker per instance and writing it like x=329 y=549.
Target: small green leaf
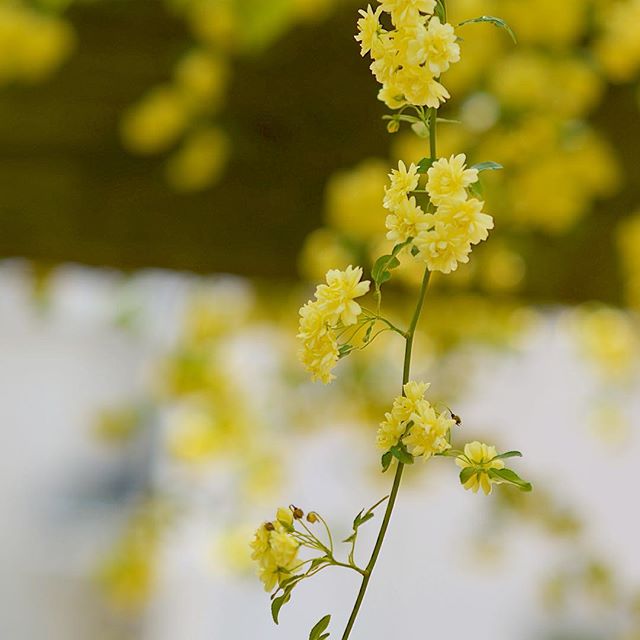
x=278 y=603
x=487 y=166
x=476 y=189
x=414 y=251
x=386 y=460
x=508 y=454
x=316 y=562
x=511 y=477
x=351 y=538
x=367 y=335
x=424 y=164
x=319 y=628
x=344 y=350
x=498 y=22
x=381 y=271
x=441 y=11
x=448 y=121
x=400 y=452
x=466 y=473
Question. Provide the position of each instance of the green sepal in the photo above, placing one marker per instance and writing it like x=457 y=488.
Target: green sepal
x=498 y=22
x=488 y=165
x=466 y=473
x=507 y=475
x=399 y=451
x=317 y=633
x=386 y=460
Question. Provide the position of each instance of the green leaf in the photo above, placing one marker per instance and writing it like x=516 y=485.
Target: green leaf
x=386 y=460
x=319 y=628
x=508 y=454
x=448 y=121
x=400 y=452
x=498 y=22
x=476 y=189
x=425 y=164
x=381 y=271
x=414 y=251
x=344 y=350
x=367 y=335
x=487 y=166
x=278 y=603
x=511 y=477
x=466 y=474
x=441 y=11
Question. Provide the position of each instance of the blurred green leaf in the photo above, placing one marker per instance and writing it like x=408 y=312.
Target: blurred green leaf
x=498 y=22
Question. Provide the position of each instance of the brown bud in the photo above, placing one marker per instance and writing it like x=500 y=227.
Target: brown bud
x=298 y=513
x=269 y=526
x=312 y=517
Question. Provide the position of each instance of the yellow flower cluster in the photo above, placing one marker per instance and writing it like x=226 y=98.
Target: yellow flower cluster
x=334 y=306
x=618 y=48
x=408 y=59
x=444 y=237
x=481 y=458
x=275 y=549
x=415 y=422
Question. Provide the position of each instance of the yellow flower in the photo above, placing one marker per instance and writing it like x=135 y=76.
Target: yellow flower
x=467 y=215
x=407 y=11
x=449 y=179
x=275 y=550
x=421 y=88
x=414 y=421
x=441 y=47
x=481 y=457
x=319 y=350
x=429 y=432
x=390 y=431
x=443 y=247
x=406 y=221
x=336 y=298
x=369 y=30
x=403 y=180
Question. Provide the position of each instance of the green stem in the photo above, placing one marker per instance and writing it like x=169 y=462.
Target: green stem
x=398 y=477
x=433 y=120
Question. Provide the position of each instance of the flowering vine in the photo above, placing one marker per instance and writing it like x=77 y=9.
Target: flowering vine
x=435 y=216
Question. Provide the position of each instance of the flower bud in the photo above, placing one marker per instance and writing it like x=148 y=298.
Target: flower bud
x=312 y=517
x=393 y=126
x=269 y=526
x=297 y=512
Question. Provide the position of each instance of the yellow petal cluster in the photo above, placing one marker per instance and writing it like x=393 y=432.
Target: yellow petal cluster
x=274 y=549
x=413 y=420
x=458 y=221
x=408 y=59
x=334 y=306
x=481 y=457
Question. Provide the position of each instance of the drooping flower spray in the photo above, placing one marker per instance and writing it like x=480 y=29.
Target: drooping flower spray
x=435 y=216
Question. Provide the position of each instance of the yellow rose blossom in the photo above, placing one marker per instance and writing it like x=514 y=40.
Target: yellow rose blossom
x=334 y=304
x=369 y=29
x=441 y=47
x=467 y=215
x=406 y=11
x=449 y=178
x=275 y=550
x=420 y=88
x=403 y=180
x=319 y=350
x=336 y=298
x=406 y=221
x=443 y=247
x=413 y=420
x=429 y=432
x=481 y=457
